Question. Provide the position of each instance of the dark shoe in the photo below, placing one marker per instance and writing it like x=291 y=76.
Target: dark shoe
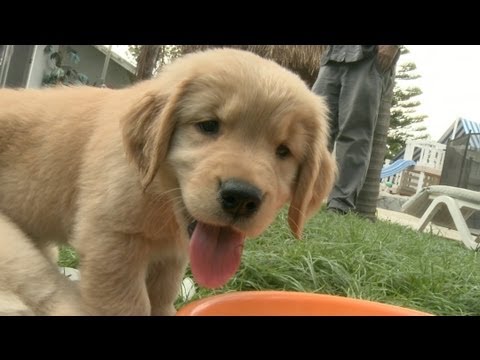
x=337 y=211
x=371 y=218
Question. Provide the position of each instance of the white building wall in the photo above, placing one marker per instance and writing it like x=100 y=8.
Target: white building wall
x=91 y=64
x=39 y=66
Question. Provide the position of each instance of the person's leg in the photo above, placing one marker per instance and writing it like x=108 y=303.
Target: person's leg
x=328 y=86
x=357 y=116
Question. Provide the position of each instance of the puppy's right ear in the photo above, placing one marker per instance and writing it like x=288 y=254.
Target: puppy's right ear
x=147 y=130
x=315 y=181
x=317 y=173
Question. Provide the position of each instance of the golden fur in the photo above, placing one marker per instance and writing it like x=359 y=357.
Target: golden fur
x=30 y=284
x=120 y=173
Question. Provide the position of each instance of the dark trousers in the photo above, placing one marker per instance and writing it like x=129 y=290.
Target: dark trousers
x=353 y=92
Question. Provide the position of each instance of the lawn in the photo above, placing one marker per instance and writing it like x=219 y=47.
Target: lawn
x=350 y=256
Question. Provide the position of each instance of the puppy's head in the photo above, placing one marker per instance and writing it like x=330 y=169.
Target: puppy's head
x=242 y=136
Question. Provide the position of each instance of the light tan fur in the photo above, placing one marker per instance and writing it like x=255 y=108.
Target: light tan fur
x=120 y=173
x=29 y=283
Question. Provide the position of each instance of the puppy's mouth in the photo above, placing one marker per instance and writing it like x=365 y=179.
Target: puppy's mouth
x=215 y=253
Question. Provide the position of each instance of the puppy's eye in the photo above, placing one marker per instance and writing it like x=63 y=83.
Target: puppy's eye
x=282 y=151
x=210 y=127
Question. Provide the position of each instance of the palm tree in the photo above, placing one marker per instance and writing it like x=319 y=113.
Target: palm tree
x=146 y=61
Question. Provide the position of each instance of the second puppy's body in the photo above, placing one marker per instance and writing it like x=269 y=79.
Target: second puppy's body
x=92 y=197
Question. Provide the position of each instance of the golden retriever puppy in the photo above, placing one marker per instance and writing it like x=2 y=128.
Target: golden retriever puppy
x=182 y=167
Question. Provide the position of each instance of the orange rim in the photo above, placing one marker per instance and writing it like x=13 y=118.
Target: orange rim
x=287 y=303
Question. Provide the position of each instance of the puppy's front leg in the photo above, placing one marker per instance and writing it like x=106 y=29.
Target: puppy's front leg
x=163 y=282
x=113 y=269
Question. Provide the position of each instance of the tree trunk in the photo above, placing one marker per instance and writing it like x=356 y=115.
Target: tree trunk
x=146 y=61
x=368 y=197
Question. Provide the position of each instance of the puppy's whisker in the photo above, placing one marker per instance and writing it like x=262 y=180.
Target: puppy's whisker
x=170 y=203
x=173 y=202
x=157 y=196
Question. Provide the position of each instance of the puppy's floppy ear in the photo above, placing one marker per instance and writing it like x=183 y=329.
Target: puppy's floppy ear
x=147 y=130
x=314 y=182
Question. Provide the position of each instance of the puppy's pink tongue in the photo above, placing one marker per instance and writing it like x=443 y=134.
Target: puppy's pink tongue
x=215 y=254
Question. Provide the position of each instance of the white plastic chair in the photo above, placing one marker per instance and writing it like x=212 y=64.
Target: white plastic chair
x=446 y=206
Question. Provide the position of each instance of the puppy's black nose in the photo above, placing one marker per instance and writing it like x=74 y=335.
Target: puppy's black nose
x=239 y=198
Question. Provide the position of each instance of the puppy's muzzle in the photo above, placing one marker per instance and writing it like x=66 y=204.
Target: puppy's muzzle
x=239 y=198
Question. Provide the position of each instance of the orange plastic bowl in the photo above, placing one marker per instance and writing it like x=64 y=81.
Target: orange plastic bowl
x=285 y=303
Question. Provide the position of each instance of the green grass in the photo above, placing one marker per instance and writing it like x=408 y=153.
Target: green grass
x=67 y=257
x=350 y=256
